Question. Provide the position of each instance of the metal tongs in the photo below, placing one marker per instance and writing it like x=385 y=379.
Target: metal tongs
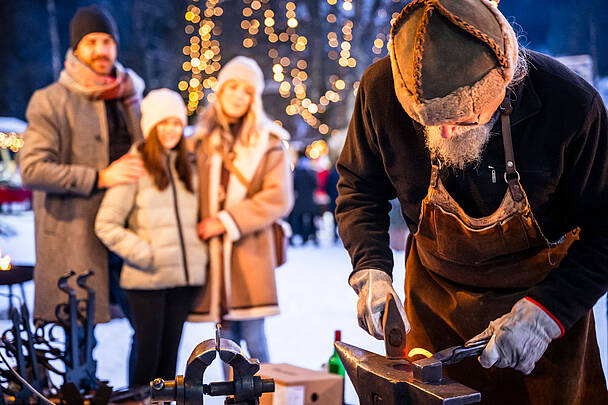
x=454 y=354
x=430 y=370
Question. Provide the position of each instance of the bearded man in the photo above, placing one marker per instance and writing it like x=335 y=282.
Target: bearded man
x=499 y=158
x=80 y=129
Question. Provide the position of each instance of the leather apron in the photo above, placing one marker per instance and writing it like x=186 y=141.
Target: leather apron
x=463 y=272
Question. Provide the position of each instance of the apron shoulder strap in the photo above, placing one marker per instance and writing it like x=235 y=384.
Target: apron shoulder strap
x=435 y=167
x=511 y=173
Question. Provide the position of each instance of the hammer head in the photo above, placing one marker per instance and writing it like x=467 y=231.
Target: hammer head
x=394 y=330
x=379 y=380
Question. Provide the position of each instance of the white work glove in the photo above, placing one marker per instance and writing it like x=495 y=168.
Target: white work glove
x=518 y=339
x=372 y=286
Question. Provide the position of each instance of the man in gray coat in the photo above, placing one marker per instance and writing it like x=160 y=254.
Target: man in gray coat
x=79 y=131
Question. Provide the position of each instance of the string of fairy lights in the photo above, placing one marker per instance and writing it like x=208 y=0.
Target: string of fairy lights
x=278 y=29
x=295 y=88
x=300 y=103
x=11 y=140
x=203 y=51
x=290 y=70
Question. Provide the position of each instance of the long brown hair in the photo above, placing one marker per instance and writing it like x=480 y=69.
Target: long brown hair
x=155 y=161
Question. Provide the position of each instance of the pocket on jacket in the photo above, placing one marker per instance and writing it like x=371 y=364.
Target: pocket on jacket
x=49 y=220
x=143 y=258
x=49 y=224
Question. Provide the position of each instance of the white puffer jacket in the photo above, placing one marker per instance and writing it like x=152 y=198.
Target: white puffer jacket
x=159 y=244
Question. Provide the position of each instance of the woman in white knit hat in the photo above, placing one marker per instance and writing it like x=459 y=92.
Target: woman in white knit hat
x=164 y=260
x=245 y=186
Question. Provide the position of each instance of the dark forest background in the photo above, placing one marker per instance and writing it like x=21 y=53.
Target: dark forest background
x=34 y=36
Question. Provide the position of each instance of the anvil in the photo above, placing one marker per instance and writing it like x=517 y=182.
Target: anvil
x=393 y=380
x=380 y=381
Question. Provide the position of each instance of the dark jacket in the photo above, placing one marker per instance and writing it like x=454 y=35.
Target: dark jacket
x=331 y=189
x=304 y=186
x=560 y=139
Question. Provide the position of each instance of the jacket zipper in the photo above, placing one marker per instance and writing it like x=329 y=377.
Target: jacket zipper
x=179 y=223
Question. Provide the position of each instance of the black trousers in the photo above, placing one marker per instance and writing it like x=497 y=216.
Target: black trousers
x=304 y=225
x=158 y=317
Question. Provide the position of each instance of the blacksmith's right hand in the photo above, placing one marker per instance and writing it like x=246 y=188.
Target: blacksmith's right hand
x=372 y=287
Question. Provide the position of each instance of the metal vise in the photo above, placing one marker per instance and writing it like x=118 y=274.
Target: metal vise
x=246 y=388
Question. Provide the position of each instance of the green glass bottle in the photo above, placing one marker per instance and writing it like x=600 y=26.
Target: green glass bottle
x=335 y=365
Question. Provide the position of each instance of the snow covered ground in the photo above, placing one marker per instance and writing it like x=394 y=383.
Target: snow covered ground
x=315 y=300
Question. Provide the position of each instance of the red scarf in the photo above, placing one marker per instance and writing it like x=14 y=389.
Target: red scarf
x=80 y=76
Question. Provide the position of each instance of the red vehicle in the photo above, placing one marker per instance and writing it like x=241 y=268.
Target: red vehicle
x=13 y=197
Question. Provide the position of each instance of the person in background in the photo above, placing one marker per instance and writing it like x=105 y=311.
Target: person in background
x=80 y=129
x=331 y=188
x=302 y=216
x=245 y=186
x=164 y=260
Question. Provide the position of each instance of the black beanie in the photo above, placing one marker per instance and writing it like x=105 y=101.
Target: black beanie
x=91 y=19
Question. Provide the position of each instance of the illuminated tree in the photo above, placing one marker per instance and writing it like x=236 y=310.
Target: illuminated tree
x=315 y=52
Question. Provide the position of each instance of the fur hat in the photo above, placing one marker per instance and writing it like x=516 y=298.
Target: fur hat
x=91 y=19
x=161 y=104
x=242 y=68
x=450 y=58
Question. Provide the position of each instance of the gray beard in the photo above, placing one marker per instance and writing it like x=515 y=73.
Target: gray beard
x=463 y=148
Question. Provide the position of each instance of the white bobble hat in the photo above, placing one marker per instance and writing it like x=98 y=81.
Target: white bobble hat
x=161 y=104
x=242 y=68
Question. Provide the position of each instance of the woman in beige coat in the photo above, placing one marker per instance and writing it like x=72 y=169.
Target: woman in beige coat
x=164 y=260
x=245 y=186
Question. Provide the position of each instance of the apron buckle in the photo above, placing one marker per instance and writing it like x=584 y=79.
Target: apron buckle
x=507 y=179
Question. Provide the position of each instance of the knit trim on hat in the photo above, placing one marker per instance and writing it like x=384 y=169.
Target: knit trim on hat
x=406 y=10
x=459 y=22
x=405 y=97
x=511 y=44
x=419 y=49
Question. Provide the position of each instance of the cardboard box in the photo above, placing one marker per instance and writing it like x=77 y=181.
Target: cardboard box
x=300 y=386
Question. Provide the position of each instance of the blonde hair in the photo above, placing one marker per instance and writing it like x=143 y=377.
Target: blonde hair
x=214 y=119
